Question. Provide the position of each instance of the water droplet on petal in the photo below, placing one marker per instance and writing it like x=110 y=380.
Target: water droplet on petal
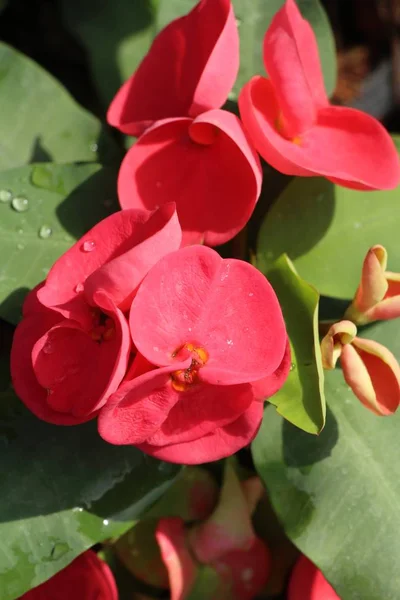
x=247 y=574
x=229 y=342
x=20 y=246
x=88 y=246
x=45 y=232
x=48 y=348
x=20 y=203
x=251 y=295
x=79 y=288
x=5 y=196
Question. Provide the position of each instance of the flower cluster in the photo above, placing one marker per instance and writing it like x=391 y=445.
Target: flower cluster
x=173 y=348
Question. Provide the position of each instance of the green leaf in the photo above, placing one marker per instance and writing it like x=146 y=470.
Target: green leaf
x=116 y=36
x=64 y=489
x=327 y=231
x=338 y=495
x=301 y=400
x=65 y=200
x=253 y=19
x=40 y=121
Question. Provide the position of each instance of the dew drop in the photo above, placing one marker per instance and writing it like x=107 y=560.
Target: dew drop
x=251 y=295
x=45 y=232
x=88 y=246
x=229 y=342
x=189 y=329
x=20 y=246
x=292 y=366
x=357 y=225
x=20 y=231
x=5 y=196
x=94 y=147
x=48 y=348
x=77 y=509
x=79 y=288
x=156 y=348
x=105 y=522
x=20 y=204
x=238 y=22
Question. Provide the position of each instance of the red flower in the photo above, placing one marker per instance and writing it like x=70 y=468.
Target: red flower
x=308 y=583
x=71 y=350
x=226 y=543
x=206 y=165
x=86 y=578
x=189 y=69
x=206 y=330
x=292 y=124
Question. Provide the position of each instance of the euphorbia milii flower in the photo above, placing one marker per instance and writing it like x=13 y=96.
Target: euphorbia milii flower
x=292 y=124
x=207 y=329
x=378 y=295
x=190 y=68
x=71 y=350
x=369 y=368
x=86 y=578
x=308 y=583
x=206 y=165
x=225 y=543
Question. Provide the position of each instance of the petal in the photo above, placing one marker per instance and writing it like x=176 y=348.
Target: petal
x=345 y=144
x=268 y=386
x=389 y=307
x=86 y=578
x=225 y=306
x=120 y=277
x=228 y=528
x=190 y=68
x=25 y=383
x=114 y=237
x=139 y=407
x=219 y=444
x=182 y=569
x=373 y=374
x=247 y=569
x=373 y=285
x=339 y=334
x=201 y=409
x=308 y=583
x=32 y=304
x=78 y=372
x=292 y=62
x=207 y=166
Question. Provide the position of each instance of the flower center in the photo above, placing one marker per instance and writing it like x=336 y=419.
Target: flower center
x=184 y=378
x=103 y=328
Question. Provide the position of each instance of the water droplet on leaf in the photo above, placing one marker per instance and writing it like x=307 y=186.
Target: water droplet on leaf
x=105 y=522
x=292 y=366
x=20 y=246
x=5 y=195
x=88 y=246
x=94 y=147
x=20 y=203
x=45 y=232
x=58 y=550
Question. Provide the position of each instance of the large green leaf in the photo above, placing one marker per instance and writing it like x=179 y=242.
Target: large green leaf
x=327 y=230
x=301 y=400
x=338 y=495
x=118 y=35
x=62 y=490
x=39 y=120
x=63 y=200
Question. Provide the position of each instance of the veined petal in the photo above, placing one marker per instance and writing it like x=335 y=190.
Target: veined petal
x=190 y=68
x=207 y=166
x=292 y=62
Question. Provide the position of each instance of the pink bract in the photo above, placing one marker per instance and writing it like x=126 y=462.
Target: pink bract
x=308 y=583
x=71 y=350
x=293 y=126
x=86 y=578
x=206 y=165
x=208 y=328
x=190 y=68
